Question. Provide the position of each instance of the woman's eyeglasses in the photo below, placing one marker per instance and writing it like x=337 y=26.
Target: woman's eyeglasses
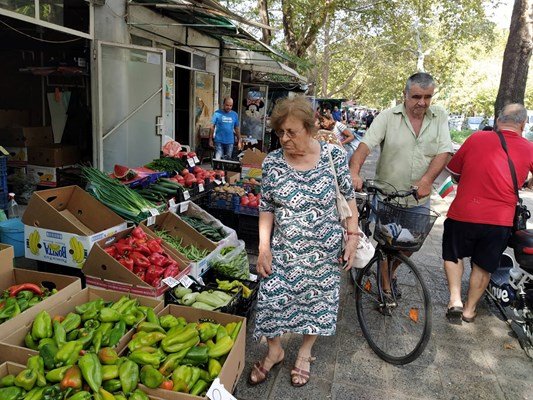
x=290 y=134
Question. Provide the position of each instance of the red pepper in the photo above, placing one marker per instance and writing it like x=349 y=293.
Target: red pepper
x=140 y=260
x=143 y=249
x=130 y=240
x=153 y=272
x=140 y=274
x=158 y=260
x=156 y=282
x=123 y=248
x=127 y=262
x=13 y=290
x=171 y=270
x=111 y=250
x=138 y=242
x=138 y=233
x=154 y=246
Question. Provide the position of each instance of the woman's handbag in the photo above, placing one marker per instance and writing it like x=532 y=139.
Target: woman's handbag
x=521 y=213
x=364 y=253
x=342 y=205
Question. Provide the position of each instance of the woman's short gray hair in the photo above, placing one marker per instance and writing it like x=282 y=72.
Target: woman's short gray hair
x=298 y=107
x=422 y=79
x=513 y=113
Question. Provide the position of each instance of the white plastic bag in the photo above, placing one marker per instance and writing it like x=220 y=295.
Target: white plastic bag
x=364 y=253
x=231 y=260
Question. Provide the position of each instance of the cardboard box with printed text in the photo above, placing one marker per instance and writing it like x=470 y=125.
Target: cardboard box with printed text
x=252 y=162
x=61 y=225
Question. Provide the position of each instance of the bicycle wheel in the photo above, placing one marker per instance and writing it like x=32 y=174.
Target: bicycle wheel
x=397 y=327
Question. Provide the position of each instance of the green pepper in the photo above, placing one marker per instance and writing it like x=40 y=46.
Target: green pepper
x=148 y=339
x=150 y=327
x=119 y=396
x=85 y=337
x=26 y=379
x=199 y=387
x=91 y=324
x=179 y=337
x=105 y=395
x=109 y=315
x=112 y=385
x=90 y=305
x=11 y=393
x=194 y=377
x=168 y=321
x=60 y=335
x=71 y=322
x=29 y=342
x=151 y=377
x=180 y=346
x=33 y=301
x=180 y=377
x=138 y=394
x=221 y=332
x=91 y=369
x=42 y=326
x=37 y=393
x=97 y=341
x=56 y=375
x=196 y=355
x=108 y=356
x=145 y=358
x=72 y=378
x=207 y=330
x=109 y=372
x=116 y=333
x=83 y=395
x=129 y=376
x=8 y=380
x=151 y=317
x=48 y=351
x=129 y=319
x=73 y=335
x=36 y=363
x=52 y=393
x=117 y=304
x=222 y=347
x=69 y=353
x=235 y=332
x=11 y=309
x=23 y=304
x=172 y=361
x=128 y=306
x=214 y=368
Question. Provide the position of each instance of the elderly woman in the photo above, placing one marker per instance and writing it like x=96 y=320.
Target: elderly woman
x=301 y=265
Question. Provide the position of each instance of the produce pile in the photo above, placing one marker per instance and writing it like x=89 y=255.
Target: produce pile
x=166 y=164
x=124 y=201
x=208 y=230
x=144 y=256
x=192 y=252
x=181 y=356
x=160 y=191
x=73 y=362
x=204 y=299
x=198 y=176
x=232 y=262
x=18 y=298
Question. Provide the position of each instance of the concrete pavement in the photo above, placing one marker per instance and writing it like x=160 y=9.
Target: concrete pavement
x=478 y=361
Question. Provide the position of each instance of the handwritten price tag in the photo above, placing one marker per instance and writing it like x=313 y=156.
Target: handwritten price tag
x=217 y=391
x=223 y=180
x=186 y=195
x=184 y=206
x=200 y=188
x=171 y=282
x=150 y=220
x=186 y=281
x=196 y=159
x=153 y=211
x=190 y=161
x=218 y=182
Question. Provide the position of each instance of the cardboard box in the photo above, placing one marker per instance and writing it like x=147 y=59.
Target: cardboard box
x=232 y=177
x=9 y=276
x=102 y=270
x=11 y=368
x=252 y=162
x=53 y=156
x=16 y=338
x=26 y=136
x=18 y=156
x=67 y=221
x=176 y=227
x=11 y=355
x=14 y=118
x=234 y=364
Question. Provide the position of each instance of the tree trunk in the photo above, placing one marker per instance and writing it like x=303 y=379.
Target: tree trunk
x=516 y=56
x=263 y=15
x=326 y=58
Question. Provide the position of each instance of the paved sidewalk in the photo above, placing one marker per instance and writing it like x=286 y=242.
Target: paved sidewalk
x=471 y=361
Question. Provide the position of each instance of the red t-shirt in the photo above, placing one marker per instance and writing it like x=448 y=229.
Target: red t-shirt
x=485 y=194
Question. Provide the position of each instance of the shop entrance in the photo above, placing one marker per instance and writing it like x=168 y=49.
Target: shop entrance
x=183 y=105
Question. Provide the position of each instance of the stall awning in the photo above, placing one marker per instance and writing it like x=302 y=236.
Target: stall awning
x=254 y=61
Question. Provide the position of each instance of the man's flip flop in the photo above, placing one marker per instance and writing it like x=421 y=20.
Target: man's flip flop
x=454 y=313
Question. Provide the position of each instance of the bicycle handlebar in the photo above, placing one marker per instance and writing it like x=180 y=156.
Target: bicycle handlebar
x=370 y=187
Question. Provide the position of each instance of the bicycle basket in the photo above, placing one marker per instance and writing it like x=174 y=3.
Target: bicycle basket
x=402 y=228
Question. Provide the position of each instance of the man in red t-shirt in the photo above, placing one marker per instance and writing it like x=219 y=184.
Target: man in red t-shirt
x=480 y=218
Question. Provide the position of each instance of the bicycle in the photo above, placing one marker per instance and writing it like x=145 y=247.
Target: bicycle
x=393 y=304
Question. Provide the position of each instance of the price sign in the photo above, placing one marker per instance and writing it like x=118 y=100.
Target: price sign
x=173 y=208
x=172 y=202
x=253 y=277
x=150 y=220
x=196 y=159
x=190 y=161
x=200 y=187
x=186 y=195
x=186 y=281
x=217 y=391
x=218 y=182
x=184 y=206
x=171 y=282
x=223 y=180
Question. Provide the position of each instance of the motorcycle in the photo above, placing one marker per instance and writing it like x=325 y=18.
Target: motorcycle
x=511 y=288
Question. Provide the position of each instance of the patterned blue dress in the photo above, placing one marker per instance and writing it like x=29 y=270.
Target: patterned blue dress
x=302 y=293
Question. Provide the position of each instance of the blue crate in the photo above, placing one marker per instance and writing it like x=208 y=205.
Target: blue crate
x=253 y=211
x=3 y=166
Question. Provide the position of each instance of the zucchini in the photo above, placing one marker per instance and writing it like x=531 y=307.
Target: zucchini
x=211 y=299
x=202 y=306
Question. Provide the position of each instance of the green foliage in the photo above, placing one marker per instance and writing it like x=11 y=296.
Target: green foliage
x=460 y=136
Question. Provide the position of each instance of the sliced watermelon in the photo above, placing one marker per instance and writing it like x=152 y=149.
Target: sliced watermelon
x=124 y=173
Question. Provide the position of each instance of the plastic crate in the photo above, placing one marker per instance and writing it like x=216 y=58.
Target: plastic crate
x=3 y=165
x=248 y=230
x=221 y=200
x=227 y=165
x=230 y=308
x=254 y=211
x=245 y=306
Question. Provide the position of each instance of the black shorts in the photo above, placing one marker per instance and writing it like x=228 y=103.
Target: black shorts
x=484 y=243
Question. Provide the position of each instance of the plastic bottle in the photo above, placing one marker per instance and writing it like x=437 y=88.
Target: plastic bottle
x=12 y=207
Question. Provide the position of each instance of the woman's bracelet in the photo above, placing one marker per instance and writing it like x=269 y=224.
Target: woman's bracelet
x=352 y=233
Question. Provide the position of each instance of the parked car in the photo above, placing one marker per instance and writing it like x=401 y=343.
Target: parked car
x=473 y=123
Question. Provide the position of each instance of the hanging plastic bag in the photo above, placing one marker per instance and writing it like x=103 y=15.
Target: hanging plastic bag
x=364 y=253
x=231 y=260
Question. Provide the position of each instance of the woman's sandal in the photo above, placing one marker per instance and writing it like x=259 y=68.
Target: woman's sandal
x=300 y=373
x=261 y=372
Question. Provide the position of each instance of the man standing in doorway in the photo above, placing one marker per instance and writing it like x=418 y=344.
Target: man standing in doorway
x=225 y=126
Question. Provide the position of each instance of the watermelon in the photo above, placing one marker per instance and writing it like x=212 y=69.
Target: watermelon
x=124 y=173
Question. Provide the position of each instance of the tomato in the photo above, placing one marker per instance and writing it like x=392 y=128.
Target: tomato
x=197 y=169
x=184 y=172
x=201 y=181
x=191 y=154
x=167 y=384
x=244 y=201
x=253 y=203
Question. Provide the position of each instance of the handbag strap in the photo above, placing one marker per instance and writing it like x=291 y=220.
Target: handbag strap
x=334 y=170
x=511 y=165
